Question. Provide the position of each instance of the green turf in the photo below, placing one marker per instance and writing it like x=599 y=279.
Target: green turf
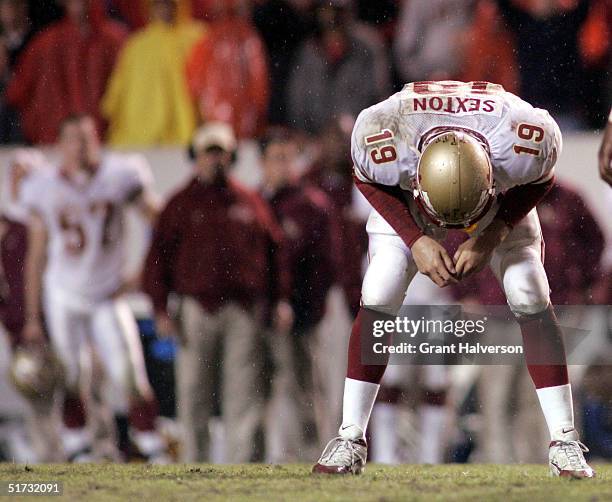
x=138 y=482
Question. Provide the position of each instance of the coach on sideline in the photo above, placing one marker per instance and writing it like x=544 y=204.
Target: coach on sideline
x=211 y=248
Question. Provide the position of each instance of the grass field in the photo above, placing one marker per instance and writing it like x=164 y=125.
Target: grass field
x=139 y=482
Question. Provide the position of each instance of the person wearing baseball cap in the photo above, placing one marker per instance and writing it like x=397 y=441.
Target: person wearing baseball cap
x=213 y=150
x=211 y=248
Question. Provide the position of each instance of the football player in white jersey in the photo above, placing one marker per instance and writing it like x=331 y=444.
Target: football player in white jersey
x=472 y=156
x=74 y=272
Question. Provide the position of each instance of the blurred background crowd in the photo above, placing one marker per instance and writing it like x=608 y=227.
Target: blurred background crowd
x=300 y=63
x=289 y=77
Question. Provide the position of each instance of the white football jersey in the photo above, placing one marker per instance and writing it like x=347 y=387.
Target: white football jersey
x=523 y=141
x=85 y=223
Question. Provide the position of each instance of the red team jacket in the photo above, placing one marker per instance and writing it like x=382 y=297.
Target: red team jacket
x=212 y=242
x=63 y=72
x=305 y=217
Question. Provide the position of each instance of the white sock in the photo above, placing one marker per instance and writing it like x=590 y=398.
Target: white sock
x=148 y=442
x=357 y=404
x=558 y=409
x=76 y=439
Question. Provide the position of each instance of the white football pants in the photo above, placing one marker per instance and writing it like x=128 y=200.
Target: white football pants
x=517 y=263
x=110 y=329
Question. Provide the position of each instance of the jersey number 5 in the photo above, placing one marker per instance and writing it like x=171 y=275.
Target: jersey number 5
x=74 y=233
x=529 y=132
x=383 y=154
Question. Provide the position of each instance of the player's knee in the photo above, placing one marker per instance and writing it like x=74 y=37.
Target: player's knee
x=527 y=303
x=379 y=300
x=526 y=285
x=385 y=283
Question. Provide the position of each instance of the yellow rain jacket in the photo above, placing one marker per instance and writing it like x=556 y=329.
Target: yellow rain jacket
x=147 y=101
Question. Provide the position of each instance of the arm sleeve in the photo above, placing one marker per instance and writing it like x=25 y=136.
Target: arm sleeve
x=390 y=203
x=157 y=272
x=516 y=203
x=32 y=195
x=138 y=177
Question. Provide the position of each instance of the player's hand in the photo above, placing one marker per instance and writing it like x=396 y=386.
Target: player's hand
x=165 y=327
x=475 y=253
x=433 y=261
x=283 y=317
x=33 y=332
x=605 y=156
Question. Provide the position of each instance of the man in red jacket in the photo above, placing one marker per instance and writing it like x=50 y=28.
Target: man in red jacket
x=64 y=70
x=211 y=248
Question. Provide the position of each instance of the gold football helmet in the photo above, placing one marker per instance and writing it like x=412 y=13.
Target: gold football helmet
x=35 y=372
x=454 y=183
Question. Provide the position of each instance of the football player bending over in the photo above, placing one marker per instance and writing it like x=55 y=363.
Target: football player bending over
x=74 y=270
x=441 y=155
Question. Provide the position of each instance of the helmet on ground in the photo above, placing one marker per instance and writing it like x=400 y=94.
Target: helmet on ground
x=35 y=372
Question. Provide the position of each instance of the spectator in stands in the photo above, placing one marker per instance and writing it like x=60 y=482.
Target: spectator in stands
x=380 y=13
x=547 y=51
x=304 y=214
x=490 y=49
x=44 y=13
x=335 y=72
x=136 y=14
x=227 y=72
x=595 y=43
x=16 y=27
x=147 y=101
x=10 y=127
x=211 y=249
x=64 y=70
x=282 y=28
x=430 y=39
